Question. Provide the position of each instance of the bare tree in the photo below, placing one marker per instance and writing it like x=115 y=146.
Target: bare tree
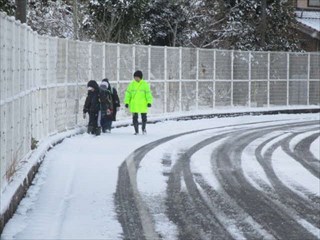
x=263 y=23
x=75 y=20
x=108 y=29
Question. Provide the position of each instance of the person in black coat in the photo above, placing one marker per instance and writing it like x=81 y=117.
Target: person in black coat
x=92 y=107
x=115 y=98
x=106 y=105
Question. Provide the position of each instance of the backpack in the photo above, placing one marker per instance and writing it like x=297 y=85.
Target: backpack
x=106 y=102
x=115 y=97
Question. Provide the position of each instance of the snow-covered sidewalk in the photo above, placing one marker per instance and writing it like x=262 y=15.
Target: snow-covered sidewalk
x=72 y=196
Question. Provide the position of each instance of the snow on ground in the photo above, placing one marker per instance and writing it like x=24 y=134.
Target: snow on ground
x=293 y=174
x=299 y=137
x=252 y=169
x=309 y=18
x=72 y=196
x=200 y=162
x=315 y=149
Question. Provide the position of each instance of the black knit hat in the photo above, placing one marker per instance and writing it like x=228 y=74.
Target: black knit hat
x=138 y=74
x=93 y=84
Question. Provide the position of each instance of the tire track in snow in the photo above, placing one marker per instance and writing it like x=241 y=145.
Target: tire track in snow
x=305 y=146
x=262 y=207
x=189 y=207
x=306 y=208
x=194 y=193
x=128 y=202
x=301 y=155
x=209 y=213
x=132 y=213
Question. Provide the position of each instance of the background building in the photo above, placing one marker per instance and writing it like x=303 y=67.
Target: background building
x=308 y=17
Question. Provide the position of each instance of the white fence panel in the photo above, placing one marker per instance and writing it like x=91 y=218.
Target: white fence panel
x=43 y=82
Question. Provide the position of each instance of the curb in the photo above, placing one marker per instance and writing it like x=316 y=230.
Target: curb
x=250 y=113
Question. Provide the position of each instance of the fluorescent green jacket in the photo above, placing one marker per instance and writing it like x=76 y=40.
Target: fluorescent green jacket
x=138 y=95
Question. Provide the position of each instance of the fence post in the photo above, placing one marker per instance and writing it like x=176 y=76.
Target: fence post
x=165 y=79
x=47 y=88
x=30 y=86
x=133 y=58
x=231 y=88
x=118 y=65
x=10 y=86
x=3 y=96
x=66 y=102
x=15 y=82
x=308 y=81
x=10 y=66
x=37 y=91
x=180 y=79
x=90 y=59
x=288 y=77
x=77 y=78
x=26 y=87
x=214 y=80
x=249 y=75
x=67 y=62
x=268 y=81
x=197 y=79
x=149 y=63
x=103 y=60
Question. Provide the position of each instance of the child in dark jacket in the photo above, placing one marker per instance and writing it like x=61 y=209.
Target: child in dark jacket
x=106 y=120
x=106 y=105
x=92 y=107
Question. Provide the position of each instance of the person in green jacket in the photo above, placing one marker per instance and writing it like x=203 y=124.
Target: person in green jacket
x=138 y=98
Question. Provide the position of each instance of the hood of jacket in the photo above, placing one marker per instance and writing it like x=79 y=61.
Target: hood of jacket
x=93 y=84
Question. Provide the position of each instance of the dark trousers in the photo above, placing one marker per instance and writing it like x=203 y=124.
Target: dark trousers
x=93 y=124
x=106 y=123
x=93 y=120
x=136 y=122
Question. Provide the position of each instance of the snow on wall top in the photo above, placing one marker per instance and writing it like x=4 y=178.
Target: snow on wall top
x=309 y=18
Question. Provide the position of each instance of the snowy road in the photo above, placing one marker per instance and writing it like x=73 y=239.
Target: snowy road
x=230 y=178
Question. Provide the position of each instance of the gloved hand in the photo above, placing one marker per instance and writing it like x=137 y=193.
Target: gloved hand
x=84 y=115
x=109 y=111
x=127 y=105
x=149 y=105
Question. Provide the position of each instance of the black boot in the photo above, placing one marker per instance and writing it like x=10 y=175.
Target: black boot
x=135 y=123
x=89 y=129
x=136 y=128
x=144 y=122
x=144 y=131
x=98 y=131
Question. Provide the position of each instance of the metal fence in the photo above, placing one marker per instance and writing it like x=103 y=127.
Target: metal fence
x=43 y=81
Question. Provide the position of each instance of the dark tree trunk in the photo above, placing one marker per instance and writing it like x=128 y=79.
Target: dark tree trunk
x=21 y=11
x=263 y=23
